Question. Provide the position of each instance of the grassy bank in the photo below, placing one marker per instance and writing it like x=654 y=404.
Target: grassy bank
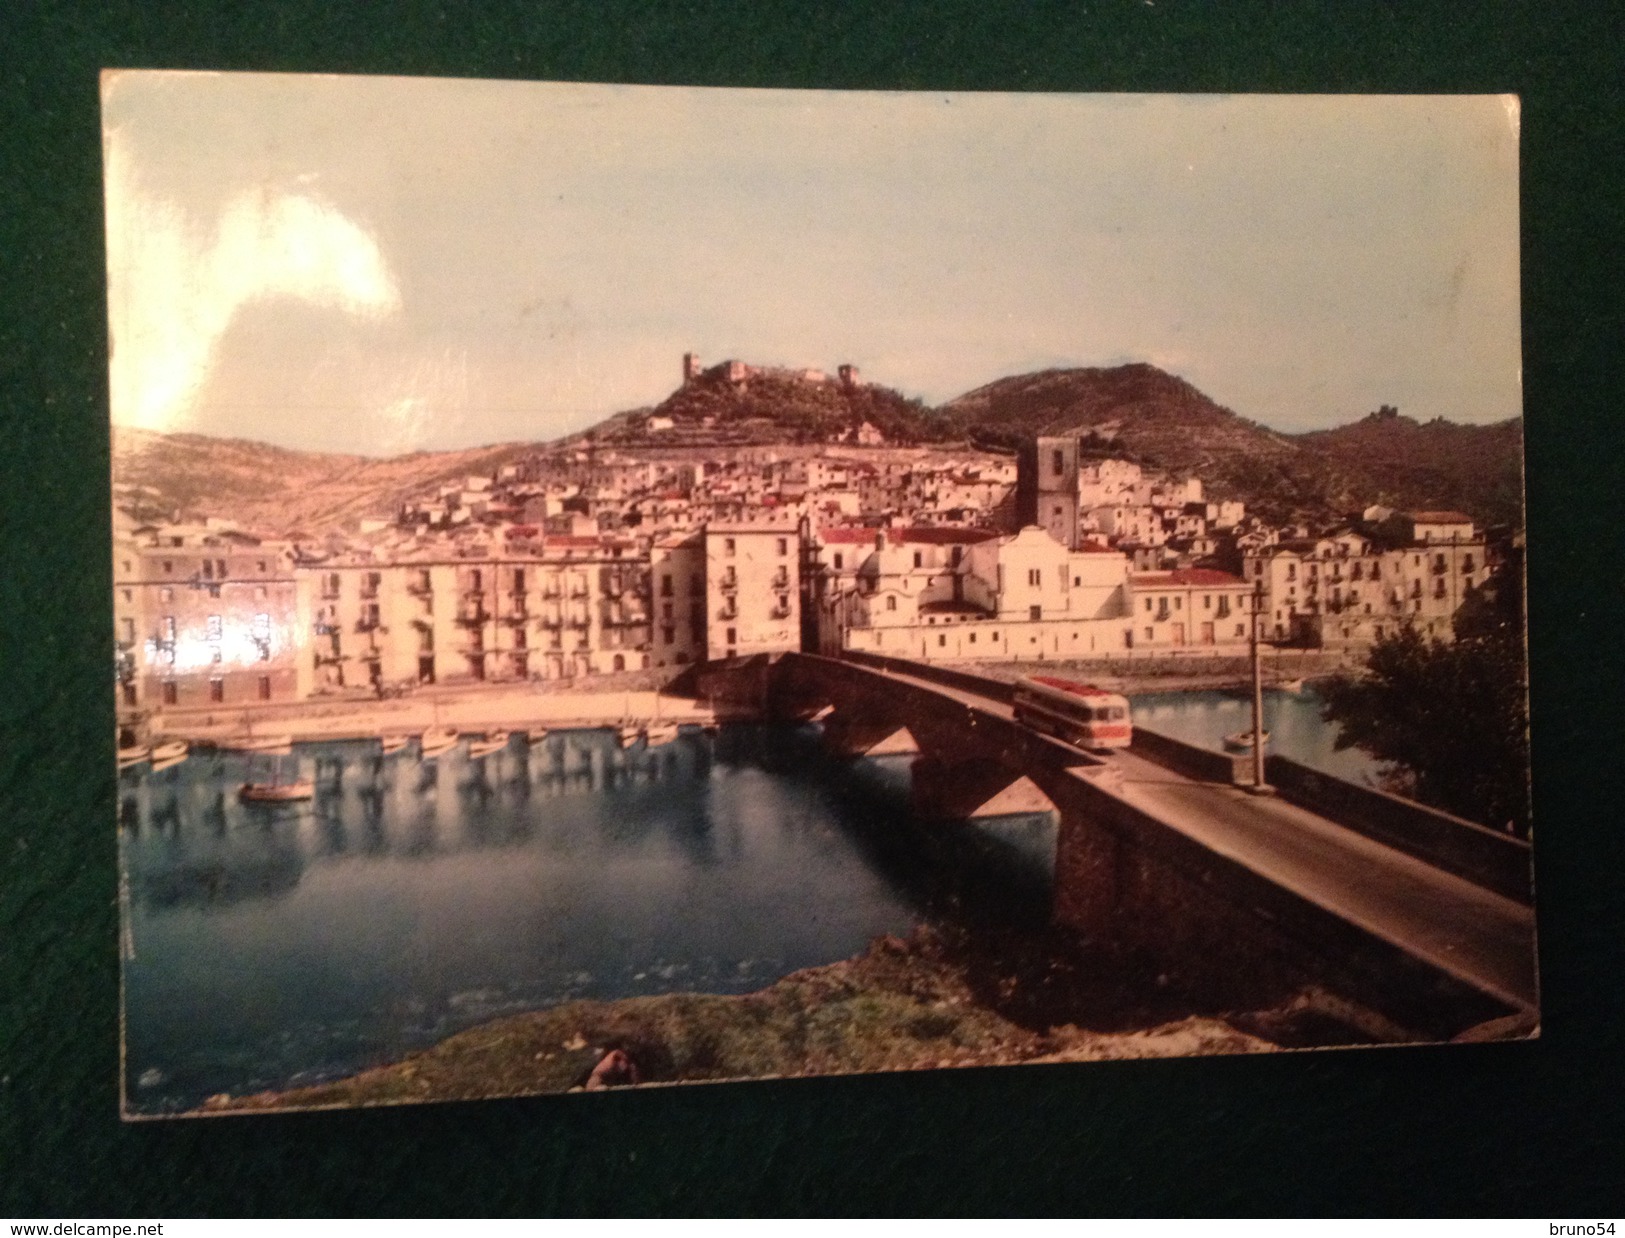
x=939 y=999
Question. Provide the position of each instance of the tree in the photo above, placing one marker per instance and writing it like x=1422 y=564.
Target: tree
x=1449 y=719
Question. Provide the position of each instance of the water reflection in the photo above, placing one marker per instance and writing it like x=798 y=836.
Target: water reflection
x=409 y=898
x=1292 y=719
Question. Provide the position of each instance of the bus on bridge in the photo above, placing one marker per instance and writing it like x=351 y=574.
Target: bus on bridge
x=1075 y=713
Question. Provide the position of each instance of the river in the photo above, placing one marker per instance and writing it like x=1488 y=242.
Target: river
x=1292 y=719
x=272 y=946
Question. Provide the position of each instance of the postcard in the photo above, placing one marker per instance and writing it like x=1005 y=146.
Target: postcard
x=625 y=586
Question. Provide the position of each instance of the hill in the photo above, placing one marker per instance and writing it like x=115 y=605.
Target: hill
x=274 y=489
x=1136 y=412
x=767 y=405
x=1397 y=461
x=1141 y=413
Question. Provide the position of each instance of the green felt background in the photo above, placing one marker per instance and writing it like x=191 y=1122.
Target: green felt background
x=1503 y=1129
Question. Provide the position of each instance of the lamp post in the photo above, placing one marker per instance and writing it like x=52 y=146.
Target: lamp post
x=1259 y=786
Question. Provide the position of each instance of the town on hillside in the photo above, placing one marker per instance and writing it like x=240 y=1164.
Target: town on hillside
x=585 y=559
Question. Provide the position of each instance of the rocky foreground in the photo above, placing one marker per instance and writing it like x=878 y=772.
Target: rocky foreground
x=936 y=1000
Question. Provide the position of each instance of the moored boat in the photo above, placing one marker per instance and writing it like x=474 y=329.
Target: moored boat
x=170 y=753
x=133 y=755
x=628 y=733
x=535 y=735
x=249 y=742
x=1290 y=685
x=485 y=745
x=437 y=740
x=391 y=744
x=276 y=792
x=1242 y=741
x=658 y=733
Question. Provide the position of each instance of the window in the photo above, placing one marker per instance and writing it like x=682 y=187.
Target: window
x=1077 y=582
x=665 y=586
x=127 y=631
x=728 y=545
x=1057 y=462
x=733 y=636
x=1207 y=601
x=891 y=602
x=212 y=628
x=261 y=565
x=169 y=567
x=1035 y=613
x=265 y=688
x=837 y=561
x=1148 y=606
x=620 y=663
x=217 y=690
x=168 y=629
x=220 y=568
x=129 y=595
x=784 y=546
x=919 y=559
x=668 y=635
x=259 y=593
x=942 y=639
x=1035 y=576
x=973 y=638
x=1148 y=633
x=171 y=695
x=1241 y=629
x=665 y=610
x=126 y=567
x=1179 y=603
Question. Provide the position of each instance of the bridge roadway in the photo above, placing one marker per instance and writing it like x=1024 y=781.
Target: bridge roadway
x=1462 y=929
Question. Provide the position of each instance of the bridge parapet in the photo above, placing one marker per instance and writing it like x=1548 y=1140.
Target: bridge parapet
x=1464 y=848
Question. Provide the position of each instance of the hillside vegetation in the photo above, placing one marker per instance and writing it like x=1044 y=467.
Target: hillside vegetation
x=1135 y=412
x=273 y=489
x=778 y=406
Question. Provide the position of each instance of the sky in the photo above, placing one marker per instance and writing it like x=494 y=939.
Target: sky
x=381 y=265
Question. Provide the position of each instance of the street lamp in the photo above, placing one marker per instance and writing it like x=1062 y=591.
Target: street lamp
x=1259 y=786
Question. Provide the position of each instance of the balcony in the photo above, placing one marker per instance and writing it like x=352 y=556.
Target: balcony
x=729 y=585
x=420 y=588
x=780 y=612
x=370 y=625
x=518 y=616
x=473 y=615
x=729 y=611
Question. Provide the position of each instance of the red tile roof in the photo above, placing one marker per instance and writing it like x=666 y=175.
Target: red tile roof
x=1185 y=576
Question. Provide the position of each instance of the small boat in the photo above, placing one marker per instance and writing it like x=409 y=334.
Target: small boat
x=133 y=755
x=391 y=744
x=1242 y=741
x=628 y=733
x=658 y=733
x=276 y=792
x=437 y=740
x=249 y=742
x=535 y=735
x=168 y=754
x=1290 y=685
x=495 y=741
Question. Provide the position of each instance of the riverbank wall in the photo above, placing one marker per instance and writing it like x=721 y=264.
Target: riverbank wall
x=486 y=709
